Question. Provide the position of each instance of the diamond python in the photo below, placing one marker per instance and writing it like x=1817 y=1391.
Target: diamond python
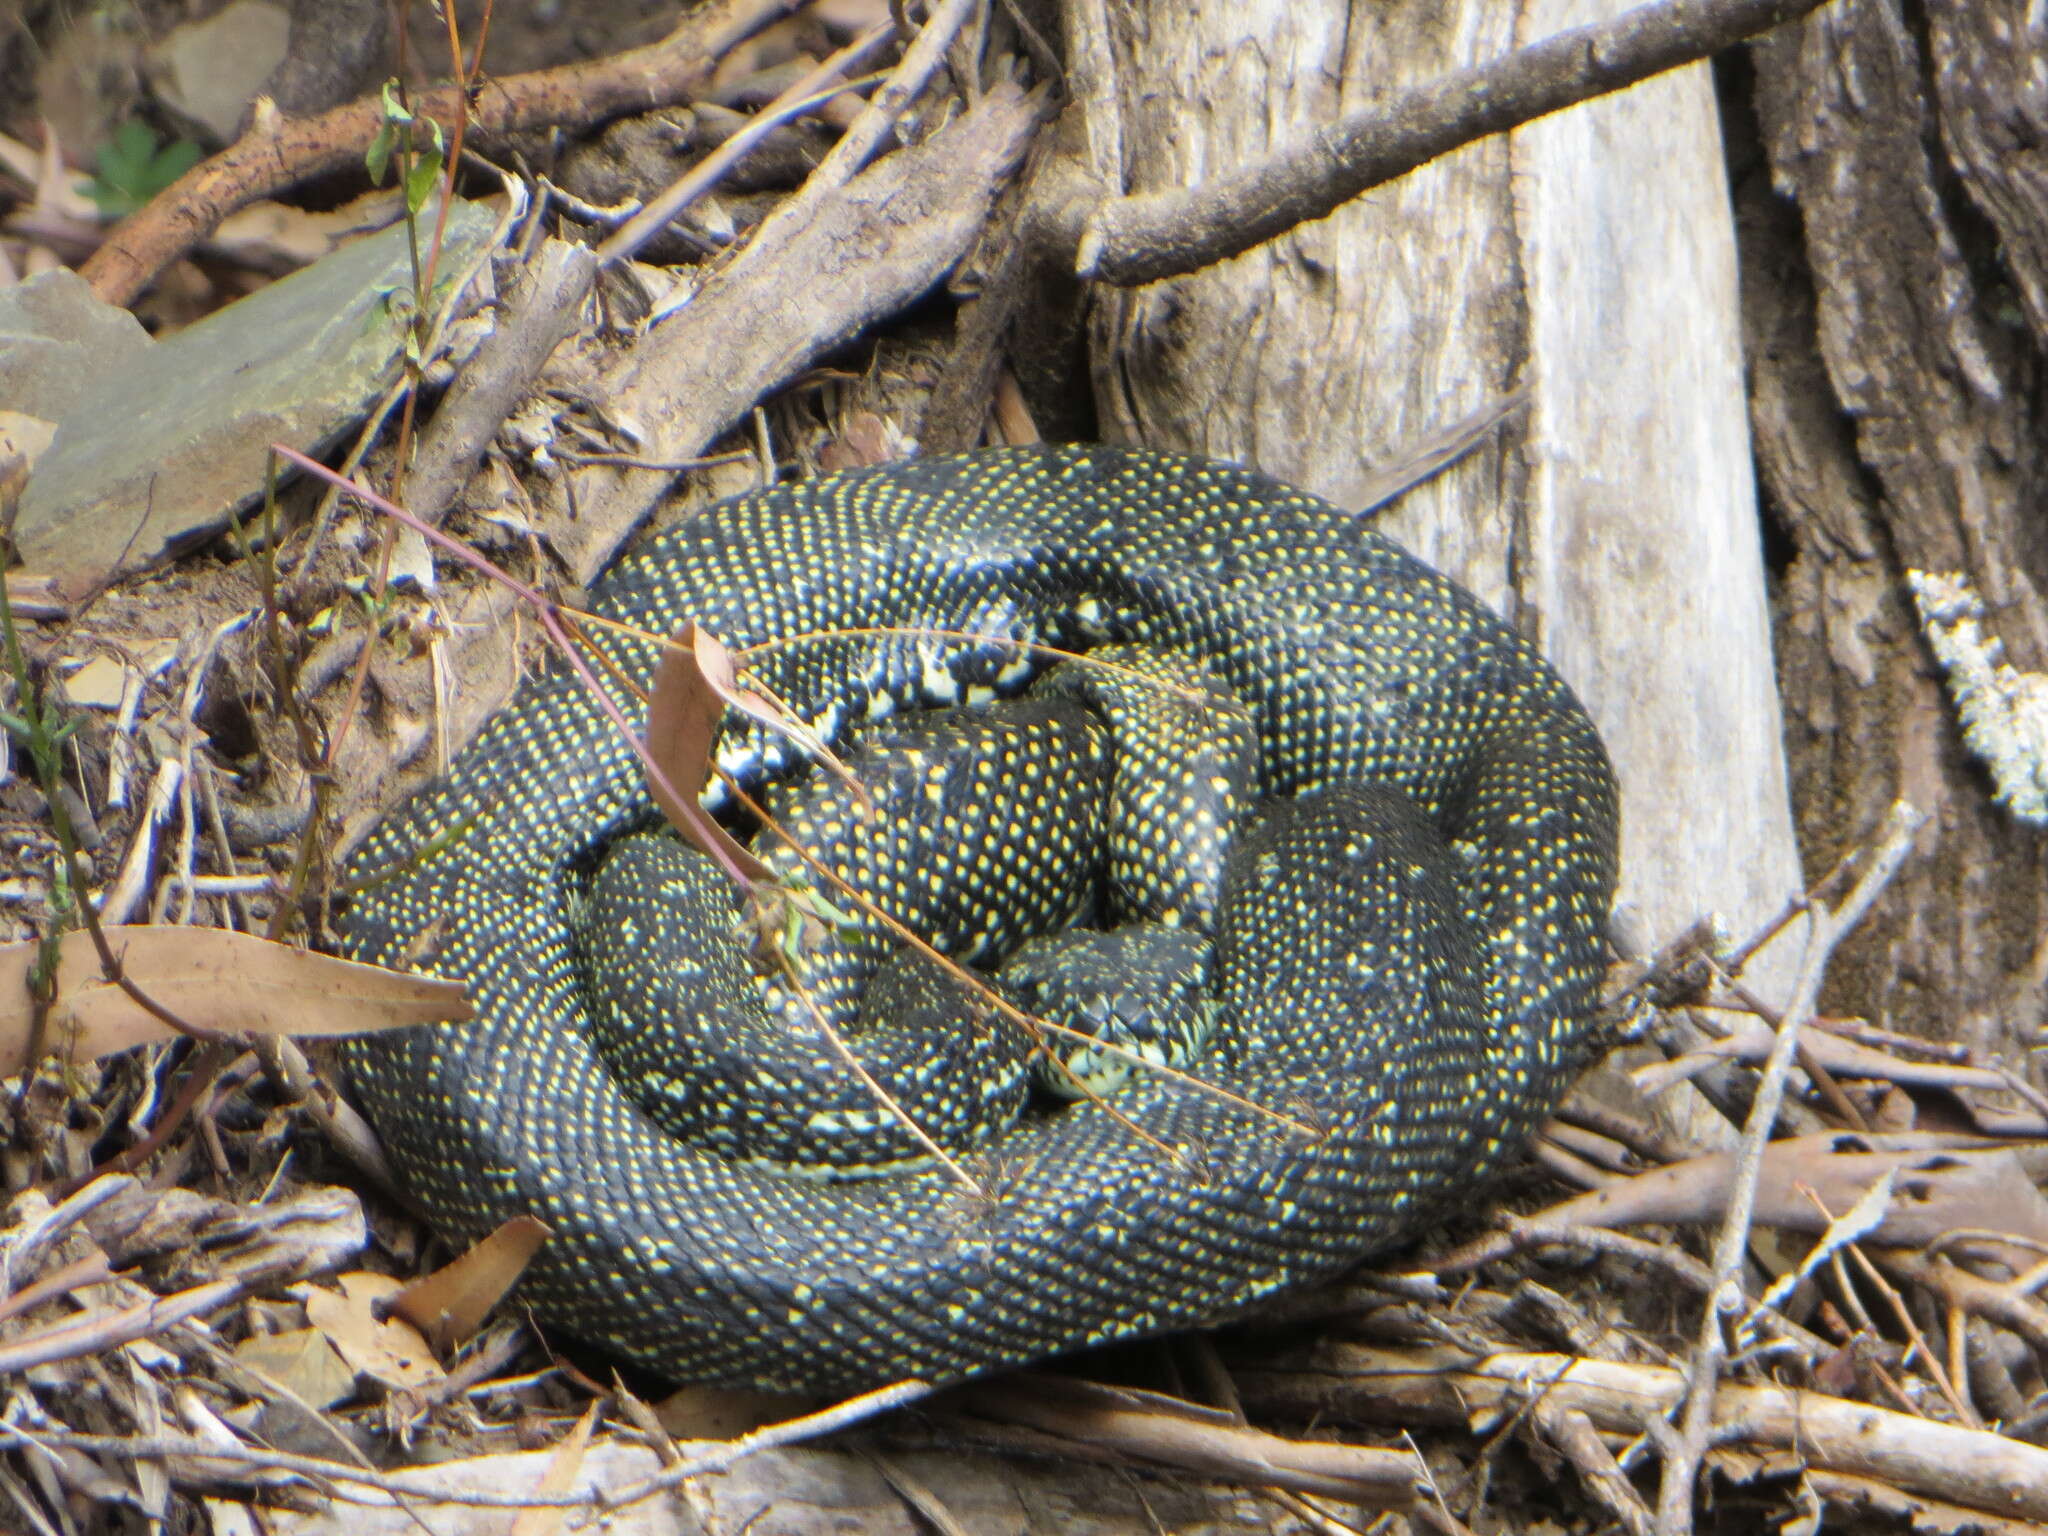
x=1424 y=760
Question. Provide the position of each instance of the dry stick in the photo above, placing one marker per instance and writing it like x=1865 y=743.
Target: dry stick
x=1524 y=1232
x=2001 y=1303
x=380 y=585
x=22 y=1247
x=1931 y=1362
x=665 y=466
x=1437 y=1385
x=61 y=1281
x=872 y=248
x=857 y=145
x=277 y=152
x=97 y=1332
x=719 y=1458
x=423 y=272
x=1142 y=238
x=1572 y=1432
x=546 y=295
x=865 y=134
x=110 y=963
x=547 y=612
x=1828 y=928
x=1868 y=1496
x=816 y=87
x=201 y=1068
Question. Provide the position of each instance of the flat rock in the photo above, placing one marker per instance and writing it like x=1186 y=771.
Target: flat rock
x=209 y=69
x=57 y=340
x=159 y=452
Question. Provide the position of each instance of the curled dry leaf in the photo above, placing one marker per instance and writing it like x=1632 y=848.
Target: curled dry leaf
x=209 y=977
x=561 y=1476
x=693 y=683
x=386 y=1349
x=302 y=1360
x=449 y=1305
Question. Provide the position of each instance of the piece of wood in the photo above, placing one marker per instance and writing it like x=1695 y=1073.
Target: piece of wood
x=1898 y=395
x=799 y=1491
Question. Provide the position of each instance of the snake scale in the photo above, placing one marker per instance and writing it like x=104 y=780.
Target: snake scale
x=1422 y=758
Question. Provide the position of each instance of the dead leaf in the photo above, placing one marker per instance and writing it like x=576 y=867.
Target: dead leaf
x=449 y=1305
x=693 y=683
x=234 y=982
x=725 y=1413
x=301 y=1360
x=98 y=683
x=559 y=1478
x=865 y=438
x=389 y=1351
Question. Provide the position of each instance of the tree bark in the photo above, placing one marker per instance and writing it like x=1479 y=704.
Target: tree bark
x=1588 y=257
x=1896 y=316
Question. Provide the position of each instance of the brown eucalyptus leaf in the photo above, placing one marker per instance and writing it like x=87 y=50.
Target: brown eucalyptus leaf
x=210 y=978
x=693 y=683
x=449 y=1305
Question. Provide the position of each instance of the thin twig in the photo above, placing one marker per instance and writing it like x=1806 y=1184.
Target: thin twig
x=278 y=151
x=550 y=616
x=1828 y=927
x=718 y=1458
x=1030 y=1022
x=881 y=1095
x=829 y=79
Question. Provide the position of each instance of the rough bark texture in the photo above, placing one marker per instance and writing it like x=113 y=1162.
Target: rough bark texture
x=1588 y=256
x=1896 y=317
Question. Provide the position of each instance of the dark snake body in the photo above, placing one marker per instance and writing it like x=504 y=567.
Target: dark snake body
x=1417 y=1046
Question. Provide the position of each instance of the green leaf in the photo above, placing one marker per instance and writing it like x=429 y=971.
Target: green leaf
x=419 y=181
x=377 y=158
x=132 y=169
x=173 y=161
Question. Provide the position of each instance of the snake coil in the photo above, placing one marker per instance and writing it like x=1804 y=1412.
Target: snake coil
x=1414 y=929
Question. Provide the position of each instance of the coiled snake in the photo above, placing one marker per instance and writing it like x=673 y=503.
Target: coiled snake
x=1409 y=951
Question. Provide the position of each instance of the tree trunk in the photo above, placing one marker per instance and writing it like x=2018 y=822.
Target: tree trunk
x=1896 y=251
x=1589 y=258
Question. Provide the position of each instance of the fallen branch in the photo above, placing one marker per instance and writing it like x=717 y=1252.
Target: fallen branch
x=419 y=1483
x=868 y=249
x=278 y=152
x=1152 y=235
x=1353 y=1383
x=1947 y=1181
x=1069 y=1417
